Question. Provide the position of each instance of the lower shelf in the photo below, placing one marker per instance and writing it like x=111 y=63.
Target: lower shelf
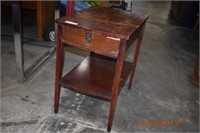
x=94 y=77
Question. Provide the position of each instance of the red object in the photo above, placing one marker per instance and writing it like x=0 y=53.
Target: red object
x=98 y=76
x=70 y=7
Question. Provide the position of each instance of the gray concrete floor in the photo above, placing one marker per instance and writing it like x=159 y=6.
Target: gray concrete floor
x=161 y=90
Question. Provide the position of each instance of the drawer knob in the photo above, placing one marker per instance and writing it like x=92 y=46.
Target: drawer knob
x=88 y=37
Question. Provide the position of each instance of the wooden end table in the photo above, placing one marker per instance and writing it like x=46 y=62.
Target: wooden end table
x=107 y=33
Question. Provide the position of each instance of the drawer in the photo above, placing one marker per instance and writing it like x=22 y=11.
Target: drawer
x=90 y=40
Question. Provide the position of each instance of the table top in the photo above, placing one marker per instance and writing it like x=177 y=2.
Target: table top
x=112 y=22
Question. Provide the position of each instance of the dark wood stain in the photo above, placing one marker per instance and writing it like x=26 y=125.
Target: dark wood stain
x=104 y=32
x=99 y=44
x=115 y=23
x=86 y=78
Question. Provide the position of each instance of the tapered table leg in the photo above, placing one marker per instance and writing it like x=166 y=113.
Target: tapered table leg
x=59 y=67
x=19 y=52
x=136 y=53
x=116 y=83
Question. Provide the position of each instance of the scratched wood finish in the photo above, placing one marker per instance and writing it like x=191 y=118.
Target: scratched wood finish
x=115 y=23
x=99 y=43
x=99 y=76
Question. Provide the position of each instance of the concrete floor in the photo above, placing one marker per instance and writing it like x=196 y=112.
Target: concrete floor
x=161 y=90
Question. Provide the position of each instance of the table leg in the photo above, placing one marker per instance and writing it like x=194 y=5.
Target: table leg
x=59 y=67
x=116 y=83
x=23 y=74
x=19 y=53
x=137 y=50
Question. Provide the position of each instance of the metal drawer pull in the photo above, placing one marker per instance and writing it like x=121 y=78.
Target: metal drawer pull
x=88 y=37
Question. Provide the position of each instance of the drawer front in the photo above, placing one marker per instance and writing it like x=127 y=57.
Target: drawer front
x=91 y=41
